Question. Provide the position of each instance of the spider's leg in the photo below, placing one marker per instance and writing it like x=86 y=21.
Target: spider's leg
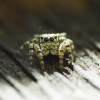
x=23 y=46
x=39 y=55
x=69 y=50
x=31 y=51
x=65 y=47
x=61 y=55
x=72 y=46
x=70 y=56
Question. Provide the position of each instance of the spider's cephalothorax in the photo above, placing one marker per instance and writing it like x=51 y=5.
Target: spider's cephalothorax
x=49 y=44
x=54 y=44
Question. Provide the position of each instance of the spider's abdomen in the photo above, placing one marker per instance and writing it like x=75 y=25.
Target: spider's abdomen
x=50 y=48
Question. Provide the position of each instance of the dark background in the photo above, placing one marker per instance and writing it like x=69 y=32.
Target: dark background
x=20 y=19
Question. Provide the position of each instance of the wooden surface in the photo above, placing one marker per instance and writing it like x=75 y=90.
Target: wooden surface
x=20 y=20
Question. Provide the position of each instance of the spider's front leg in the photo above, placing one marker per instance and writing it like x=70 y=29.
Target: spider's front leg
x=72 y=46
x=37 y=49
x=39 y=55
x=65 y=47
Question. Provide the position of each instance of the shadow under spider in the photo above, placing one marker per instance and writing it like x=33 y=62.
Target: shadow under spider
x=52 y=65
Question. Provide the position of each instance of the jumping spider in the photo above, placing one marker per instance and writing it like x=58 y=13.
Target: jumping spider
x=52 y=43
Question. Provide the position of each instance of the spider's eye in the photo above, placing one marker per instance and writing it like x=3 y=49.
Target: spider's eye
x=45 y=39
x=41 y=37
x=51 y=39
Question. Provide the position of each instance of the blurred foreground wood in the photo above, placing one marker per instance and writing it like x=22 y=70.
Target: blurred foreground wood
x=20 y=81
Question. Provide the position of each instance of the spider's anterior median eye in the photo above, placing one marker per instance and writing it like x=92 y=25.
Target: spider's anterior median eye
x=51 y=39
x=45 y=39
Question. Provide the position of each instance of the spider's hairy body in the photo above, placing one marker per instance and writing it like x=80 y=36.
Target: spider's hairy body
x=54 y=44
x=49 y=47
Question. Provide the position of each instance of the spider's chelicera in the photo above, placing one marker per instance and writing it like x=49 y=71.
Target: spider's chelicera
x=53 y=43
